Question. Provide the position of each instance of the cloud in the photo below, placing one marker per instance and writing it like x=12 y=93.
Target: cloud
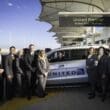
x=10 y=4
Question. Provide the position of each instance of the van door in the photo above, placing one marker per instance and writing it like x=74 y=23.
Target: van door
x=58 y=64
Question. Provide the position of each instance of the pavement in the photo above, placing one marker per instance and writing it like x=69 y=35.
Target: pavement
x=70 y=99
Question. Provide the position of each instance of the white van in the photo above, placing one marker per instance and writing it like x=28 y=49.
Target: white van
x=68 y=65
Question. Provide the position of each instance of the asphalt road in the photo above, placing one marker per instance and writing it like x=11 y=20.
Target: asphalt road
x=70 y=99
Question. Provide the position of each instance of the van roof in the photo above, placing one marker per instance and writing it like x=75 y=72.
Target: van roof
x=83 y=46
x=79 y=47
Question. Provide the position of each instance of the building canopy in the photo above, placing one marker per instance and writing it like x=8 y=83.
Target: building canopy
x=51 y=8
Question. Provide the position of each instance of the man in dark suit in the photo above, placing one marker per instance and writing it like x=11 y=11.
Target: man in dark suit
x=1 y=77
x=30 y=70
x=10 y=72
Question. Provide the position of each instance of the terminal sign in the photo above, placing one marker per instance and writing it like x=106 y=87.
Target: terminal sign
x=75 y=21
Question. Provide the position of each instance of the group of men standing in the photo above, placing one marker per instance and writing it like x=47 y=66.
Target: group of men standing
x=24 y=73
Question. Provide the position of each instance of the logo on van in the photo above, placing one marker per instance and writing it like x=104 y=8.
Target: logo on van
x=66 y=72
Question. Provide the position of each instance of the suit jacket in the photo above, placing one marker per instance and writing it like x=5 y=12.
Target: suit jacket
x=10 y=66
x=19 y=65
x=43 y=67
x=29 y=62
x=102 y=65
x=90 y=63
x=108 y=66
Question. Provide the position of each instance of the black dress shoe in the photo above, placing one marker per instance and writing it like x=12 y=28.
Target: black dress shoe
x=41 y=96
x=45 y=93
x=29 y=97
x=90 y=93
x=91 y=96
x=103 y=98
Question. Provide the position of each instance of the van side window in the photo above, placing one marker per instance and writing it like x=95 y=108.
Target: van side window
x=68 y=55
x=78 y=54
x=52 y=57
x=59 y=56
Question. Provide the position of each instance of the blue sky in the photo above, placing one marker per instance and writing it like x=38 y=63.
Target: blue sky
x=18 y=25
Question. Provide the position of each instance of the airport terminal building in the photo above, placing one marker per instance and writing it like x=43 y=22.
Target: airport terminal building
x=78 y=21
